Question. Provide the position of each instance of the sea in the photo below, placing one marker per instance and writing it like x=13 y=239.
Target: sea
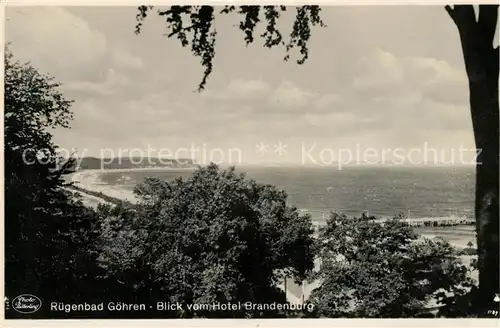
x=417 y=192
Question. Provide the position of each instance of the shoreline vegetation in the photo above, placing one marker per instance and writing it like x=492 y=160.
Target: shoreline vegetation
x=99 y=194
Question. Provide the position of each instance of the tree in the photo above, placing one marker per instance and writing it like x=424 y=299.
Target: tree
x=379 y=269
x=481 y=62
x=48 y=244
x=213 y=238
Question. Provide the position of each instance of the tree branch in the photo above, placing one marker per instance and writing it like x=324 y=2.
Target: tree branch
x=141 y=15
x=450 y=12
x=462 y=15
x=183 y=29
x=202 y=28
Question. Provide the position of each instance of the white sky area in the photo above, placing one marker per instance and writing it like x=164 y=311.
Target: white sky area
x=377 y=77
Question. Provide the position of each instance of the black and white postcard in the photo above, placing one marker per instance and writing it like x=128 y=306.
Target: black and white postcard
x=251 y=161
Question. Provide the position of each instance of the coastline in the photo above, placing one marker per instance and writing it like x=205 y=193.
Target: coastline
x=90 y=180
x=87 y=198
x=75 y=177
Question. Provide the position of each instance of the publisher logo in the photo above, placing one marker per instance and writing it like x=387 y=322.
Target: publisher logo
x=26 y=303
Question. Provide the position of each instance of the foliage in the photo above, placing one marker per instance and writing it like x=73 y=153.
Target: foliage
x=375 y=269
x=215 y=237
x=49 y=244
x=448 y=223
x=100 y=194
x=468 y=251
x=195 y=26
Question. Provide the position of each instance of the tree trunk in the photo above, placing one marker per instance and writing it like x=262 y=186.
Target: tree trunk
x=482 y=66
x=484 y=105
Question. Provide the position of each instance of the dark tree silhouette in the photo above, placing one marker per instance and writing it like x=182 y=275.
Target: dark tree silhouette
x=215 y=237
x=194 y=26
x=49 y=247
x=361 y=257
x=481 y=64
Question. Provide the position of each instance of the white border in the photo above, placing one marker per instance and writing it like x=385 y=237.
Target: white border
x=238 y=2
x=240 y=323
x=302 y=323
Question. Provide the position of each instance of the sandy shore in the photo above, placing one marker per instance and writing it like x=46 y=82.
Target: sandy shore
x=89 y=200
x=91 y=180
x=79 y=175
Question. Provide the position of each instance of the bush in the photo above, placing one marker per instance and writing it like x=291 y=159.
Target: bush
x=468 y=251
x=374 y=269
x=215 y=237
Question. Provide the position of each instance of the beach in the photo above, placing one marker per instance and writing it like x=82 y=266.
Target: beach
x=90 y=180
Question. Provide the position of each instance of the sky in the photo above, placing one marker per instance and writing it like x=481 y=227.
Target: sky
x=376 y=77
